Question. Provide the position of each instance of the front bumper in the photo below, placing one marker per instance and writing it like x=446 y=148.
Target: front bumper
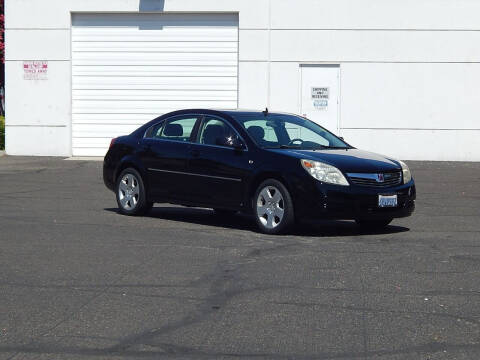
x=353 y=202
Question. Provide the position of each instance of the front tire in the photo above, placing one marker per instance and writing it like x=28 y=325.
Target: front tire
x=130 y=193
x=273 y=207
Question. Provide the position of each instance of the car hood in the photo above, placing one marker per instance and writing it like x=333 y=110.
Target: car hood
x=347 y=160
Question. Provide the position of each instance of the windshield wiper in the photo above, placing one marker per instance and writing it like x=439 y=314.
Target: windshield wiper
x=283 y=147
x=289 y=147
x=322 y=147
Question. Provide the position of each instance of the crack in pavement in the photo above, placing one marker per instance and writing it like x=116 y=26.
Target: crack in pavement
x=222 y=289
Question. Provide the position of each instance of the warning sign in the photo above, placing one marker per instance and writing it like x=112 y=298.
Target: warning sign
x=35 y=70
x=320 y=97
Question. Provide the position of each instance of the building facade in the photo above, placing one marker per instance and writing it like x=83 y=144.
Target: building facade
x=400 y=78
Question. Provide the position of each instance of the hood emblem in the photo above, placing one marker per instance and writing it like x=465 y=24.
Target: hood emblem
x=380 y=178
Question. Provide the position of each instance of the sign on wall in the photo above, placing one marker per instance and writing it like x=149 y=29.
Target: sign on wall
x=320 y=97
x=35 y=70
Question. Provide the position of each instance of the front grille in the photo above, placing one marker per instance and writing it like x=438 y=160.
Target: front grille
x=374 y=180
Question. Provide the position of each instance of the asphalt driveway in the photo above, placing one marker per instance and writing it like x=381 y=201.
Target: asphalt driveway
x=78 y=280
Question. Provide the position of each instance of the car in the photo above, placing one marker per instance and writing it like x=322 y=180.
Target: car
x=278 y=167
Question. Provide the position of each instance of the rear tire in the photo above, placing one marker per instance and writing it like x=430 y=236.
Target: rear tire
x=273 y=208
x=373 y=224
x=130 y=193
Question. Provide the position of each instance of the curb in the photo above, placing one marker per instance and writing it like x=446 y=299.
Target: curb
x=84 y=158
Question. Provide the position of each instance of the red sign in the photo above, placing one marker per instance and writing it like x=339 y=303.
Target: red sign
x=35 y=70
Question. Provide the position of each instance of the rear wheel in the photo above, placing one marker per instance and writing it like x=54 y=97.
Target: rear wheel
x=373 y=224
x=130 y=191
x=273 y=207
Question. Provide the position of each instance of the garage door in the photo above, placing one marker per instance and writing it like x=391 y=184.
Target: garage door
x=130 y=68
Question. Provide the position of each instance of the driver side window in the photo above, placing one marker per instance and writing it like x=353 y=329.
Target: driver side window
x=217 y=132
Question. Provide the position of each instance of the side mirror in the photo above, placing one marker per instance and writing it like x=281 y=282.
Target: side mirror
x=232 y=141
x=237 y=143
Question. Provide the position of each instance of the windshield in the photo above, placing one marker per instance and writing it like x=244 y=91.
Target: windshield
x=278 y=131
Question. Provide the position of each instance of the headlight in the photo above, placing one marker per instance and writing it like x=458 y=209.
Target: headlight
x=324 y=172
x=407 y=175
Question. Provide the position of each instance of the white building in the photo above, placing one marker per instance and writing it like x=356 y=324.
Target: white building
x=400 y=78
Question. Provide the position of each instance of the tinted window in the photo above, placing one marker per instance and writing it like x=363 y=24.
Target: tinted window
x=178 y=128
x=216 y=132
x=155 y=130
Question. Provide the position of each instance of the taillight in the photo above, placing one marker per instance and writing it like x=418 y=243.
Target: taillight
x=112 y=142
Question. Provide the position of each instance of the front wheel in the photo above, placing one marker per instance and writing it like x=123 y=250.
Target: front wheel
x=373 y=224
x=130 y=191
x=273 y=207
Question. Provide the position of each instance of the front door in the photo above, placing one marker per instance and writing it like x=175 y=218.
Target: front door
x=220 y=170
x=320 y=95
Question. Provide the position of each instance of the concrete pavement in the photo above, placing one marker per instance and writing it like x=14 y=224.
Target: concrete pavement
x=79 y=281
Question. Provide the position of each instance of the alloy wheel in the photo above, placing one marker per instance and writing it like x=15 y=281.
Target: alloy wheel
x=270 y=207
x=129 y=192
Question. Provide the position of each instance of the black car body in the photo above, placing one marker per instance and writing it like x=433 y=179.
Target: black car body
x=191 y=163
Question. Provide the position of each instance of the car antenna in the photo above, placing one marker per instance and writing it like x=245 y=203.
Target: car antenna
x=265 y=112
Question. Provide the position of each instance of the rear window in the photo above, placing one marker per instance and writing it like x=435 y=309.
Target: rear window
x=178 y=128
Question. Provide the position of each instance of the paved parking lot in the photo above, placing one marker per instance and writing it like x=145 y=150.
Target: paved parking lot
x=78 y=281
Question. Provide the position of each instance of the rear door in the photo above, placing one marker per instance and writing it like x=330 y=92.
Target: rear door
x=220 y=170
x=165 y=154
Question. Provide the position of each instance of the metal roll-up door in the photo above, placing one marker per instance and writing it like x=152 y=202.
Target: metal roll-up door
x=130 y=68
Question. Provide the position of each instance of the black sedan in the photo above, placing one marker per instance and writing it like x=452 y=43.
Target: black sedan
x=278 y=167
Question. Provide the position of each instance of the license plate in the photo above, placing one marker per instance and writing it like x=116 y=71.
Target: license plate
x=387 y=201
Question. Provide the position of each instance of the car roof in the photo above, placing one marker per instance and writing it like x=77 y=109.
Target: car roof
x=232 y=112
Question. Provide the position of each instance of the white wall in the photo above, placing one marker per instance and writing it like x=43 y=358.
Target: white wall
x=39 y=112
x=410 y=69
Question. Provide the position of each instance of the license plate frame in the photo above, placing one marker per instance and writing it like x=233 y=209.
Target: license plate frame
x=387 y=201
